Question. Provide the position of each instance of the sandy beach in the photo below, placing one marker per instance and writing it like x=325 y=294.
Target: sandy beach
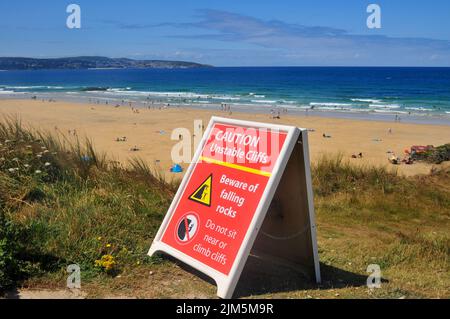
x=150 y=131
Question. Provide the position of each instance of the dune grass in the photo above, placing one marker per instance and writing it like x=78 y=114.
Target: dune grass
x=368 y=215
x=61 y=202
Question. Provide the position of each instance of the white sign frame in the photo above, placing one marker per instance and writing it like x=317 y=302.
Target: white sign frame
x=227 y=283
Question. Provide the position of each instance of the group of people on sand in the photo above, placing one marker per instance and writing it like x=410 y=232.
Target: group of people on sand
x=226 y=108
x=148 y=105
x=276 y=114
x=395 y=160
x=72 y=132
x=34 y=97
x=124 y=139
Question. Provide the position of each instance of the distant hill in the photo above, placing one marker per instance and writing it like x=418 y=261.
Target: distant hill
x=91 y=62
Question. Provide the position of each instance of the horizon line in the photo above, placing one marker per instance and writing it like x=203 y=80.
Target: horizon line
x=228 y=66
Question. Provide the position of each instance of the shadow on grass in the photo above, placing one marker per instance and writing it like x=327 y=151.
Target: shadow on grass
x=260 y=277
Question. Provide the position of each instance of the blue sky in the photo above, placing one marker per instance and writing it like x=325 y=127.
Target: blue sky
x=233 y=32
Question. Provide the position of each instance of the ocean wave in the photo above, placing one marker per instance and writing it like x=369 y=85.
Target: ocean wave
x=420 y=108
x=118 y=89
x=122 y=92
x=256 y=95
x=225 y=98
x=367 y=100
x=384 y=106
x=288 y=102
x=203 y=102
x=332 y=108
x=191 y=95
x=128 y=92
x=264 y=101
x=31 y=87
x=390 y=111
x=179 y=94
x=329 y=104
x=25 y=87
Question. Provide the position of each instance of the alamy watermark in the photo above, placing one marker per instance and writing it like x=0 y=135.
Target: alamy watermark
x=374 y=19
x=374 y=279
x=74 y=279
x=74 y=19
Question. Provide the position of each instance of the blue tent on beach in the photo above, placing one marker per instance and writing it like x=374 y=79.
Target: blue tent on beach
x=176 y=168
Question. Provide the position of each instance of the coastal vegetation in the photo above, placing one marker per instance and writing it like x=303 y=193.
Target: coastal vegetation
x=65 y=203
x=435 y=155
x=90 y=62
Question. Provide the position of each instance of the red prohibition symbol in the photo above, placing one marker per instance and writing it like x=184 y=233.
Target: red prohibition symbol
x=187 y=228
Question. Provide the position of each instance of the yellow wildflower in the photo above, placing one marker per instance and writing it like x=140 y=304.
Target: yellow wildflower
x=107 y=262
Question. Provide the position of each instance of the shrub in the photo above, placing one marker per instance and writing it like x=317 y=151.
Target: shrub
x=12 y=268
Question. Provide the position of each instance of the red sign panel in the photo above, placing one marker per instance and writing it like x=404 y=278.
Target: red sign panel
x=223 y=191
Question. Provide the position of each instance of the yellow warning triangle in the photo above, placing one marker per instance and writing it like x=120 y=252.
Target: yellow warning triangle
x=202 y=194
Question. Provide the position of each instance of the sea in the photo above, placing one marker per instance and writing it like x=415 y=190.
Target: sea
x=381 y=93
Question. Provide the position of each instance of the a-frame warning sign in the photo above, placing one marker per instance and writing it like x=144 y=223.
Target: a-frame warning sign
x=262 y=203
x=202 y=194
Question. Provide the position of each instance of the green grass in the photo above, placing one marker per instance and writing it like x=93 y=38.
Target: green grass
x=369 y=215
x=77 y=207
x=80 y=206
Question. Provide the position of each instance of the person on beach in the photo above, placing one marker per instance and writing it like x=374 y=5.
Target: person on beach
x=393 y=159
x=276 y=116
